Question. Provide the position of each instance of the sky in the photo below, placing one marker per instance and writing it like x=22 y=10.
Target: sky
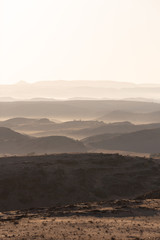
x=80 y=40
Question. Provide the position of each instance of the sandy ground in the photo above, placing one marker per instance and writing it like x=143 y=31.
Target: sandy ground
x=115 y=220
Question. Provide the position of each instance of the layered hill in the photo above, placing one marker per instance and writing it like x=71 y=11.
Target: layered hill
x=73 y=109
x=114 y=128
x=76 y=129
x=12 y=142
x=144 y=141
x=7 y=134
x=119 y=115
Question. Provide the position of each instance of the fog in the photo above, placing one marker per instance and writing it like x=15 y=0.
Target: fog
x=79 y=90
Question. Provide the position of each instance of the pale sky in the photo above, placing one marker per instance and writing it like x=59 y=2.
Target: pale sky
x=80 y=40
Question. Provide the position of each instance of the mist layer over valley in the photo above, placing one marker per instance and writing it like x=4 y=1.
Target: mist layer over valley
x=79 y=90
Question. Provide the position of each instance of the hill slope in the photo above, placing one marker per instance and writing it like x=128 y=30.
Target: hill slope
x=12 y=142
x=145 y=141
x=7 y=134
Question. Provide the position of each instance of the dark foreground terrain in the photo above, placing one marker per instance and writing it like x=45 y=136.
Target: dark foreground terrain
x=123 y=219
x=79 y=196
x=60 y=179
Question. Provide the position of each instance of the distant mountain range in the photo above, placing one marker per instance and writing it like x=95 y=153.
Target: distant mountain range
x=80 y=89
x=12 y=142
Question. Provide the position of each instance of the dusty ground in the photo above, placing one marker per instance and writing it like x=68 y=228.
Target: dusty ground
x=115 y=220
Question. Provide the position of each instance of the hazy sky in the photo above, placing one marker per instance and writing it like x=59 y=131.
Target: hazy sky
x=80 y=40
